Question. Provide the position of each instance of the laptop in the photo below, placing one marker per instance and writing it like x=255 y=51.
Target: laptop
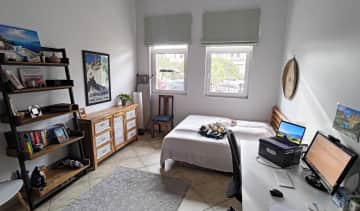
x=289 y=133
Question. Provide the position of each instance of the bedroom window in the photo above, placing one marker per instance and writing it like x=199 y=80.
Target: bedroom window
x=168 y=66
x=227 y=69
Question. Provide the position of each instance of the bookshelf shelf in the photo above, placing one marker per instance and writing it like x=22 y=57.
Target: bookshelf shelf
x=42 y=89
x=34 y=64
x=45 y=116
x=48 y=149
x=57 y=177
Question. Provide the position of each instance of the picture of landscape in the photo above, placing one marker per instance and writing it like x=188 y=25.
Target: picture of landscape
x=19 y=40
x=291 y=132
x=347 y=121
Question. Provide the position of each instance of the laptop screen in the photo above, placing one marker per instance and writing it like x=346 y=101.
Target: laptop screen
x=292 y=132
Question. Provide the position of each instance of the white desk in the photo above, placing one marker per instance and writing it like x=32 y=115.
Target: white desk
x=258 y=179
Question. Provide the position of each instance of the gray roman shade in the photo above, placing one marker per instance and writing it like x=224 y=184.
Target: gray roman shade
x=231 y=27
x=168 y=29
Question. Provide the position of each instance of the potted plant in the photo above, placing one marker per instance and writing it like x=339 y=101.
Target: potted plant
x=124 y=98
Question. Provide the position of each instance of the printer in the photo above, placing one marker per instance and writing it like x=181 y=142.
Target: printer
x=284 y=149
x=279 y=153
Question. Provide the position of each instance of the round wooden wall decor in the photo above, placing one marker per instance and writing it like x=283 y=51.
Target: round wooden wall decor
x=290 y=78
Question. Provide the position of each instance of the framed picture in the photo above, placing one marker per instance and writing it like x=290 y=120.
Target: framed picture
x=19 y=42
x=32 y=77
x=60 y=135
x=347 y=121
x=82 y=113
x=97 y=77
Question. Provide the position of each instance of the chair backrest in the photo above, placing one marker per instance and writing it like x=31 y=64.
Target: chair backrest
x=166 y=105
x=235 y=156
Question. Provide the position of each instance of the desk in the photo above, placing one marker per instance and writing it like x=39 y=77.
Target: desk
x=258 y=179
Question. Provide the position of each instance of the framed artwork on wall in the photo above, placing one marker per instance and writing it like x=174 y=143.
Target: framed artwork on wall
x=347 y=121
x=97 y=77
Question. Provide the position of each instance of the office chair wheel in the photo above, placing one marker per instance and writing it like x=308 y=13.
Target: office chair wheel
x=231 y=209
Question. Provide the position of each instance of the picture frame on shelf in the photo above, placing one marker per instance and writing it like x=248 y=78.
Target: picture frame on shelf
x=32 y=77
x=57 y=134
x=97 y=77
x=82 y=113
x=61 y=135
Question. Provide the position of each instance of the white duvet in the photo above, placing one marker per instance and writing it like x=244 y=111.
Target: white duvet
x=185 y=144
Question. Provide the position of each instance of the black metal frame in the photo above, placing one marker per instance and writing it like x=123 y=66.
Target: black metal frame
x=21 y=156
x=85 y=76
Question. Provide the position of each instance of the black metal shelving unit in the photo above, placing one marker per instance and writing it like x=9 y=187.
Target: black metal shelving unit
x=65 y=176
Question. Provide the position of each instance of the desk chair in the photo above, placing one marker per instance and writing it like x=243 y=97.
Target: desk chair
x=165 y=118
x=10 y=189
x=234 y=187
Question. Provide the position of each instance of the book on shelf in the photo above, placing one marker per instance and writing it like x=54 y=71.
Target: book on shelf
x=29 y=141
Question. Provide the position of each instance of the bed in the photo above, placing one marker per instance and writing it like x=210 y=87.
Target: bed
x=185 y=144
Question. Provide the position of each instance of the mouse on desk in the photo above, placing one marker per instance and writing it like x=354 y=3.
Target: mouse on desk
x=276 y=193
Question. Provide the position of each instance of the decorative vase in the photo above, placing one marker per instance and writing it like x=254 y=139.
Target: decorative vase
x=123 y=102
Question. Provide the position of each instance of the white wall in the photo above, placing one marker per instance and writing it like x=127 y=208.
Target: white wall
x=104 y=26
x=324 y=36
x=265 y=68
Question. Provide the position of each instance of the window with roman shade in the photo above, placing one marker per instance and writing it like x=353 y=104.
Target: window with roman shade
x=231 y=27
x=167 y=29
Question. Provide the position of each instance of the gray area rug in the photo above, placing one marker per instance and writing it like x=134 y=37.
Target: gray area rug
x=133 y=190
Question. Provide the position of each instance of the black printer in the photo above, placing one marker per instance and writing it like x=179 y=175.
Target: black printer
x=279 y=153
x=284 y=149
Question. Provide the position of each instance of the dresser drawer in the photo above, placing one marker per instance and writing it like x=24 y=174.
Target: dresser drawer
x=101 y=126
x=103 y=151
x=103 y=138
x=130 y=114
x=131 y=134
x=131 y=124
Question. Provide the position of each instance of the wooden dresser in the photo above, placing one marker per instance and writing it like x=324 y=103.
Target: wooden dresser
x=108 y=130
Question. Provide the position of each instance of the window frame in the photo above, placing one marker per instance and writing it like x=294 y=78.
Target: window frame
x=210 y=49
x=166 y=49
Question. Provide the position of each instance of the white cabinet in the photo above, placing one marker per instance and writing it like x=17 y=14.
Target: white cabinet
x=108 y=131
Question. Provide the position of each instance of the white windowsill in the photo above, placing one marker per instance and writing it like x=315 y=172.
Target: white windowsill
x=227 y=96
x=169 y=92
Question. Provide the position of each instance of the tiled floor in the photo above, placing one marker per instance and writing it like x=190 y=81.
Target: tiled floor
x=206 y=192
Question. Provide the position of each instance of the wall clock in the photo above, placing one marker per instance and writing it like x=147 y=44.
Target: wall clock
x=290 y=78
